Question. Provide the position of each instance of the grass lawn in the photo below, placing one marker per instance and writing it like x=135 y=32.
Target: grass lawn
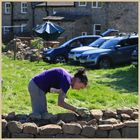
x=112 y=88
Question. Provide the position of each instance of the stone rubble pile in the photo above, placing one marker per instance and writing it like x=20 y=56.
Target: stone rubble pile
x=119 y=123
x=23 y=51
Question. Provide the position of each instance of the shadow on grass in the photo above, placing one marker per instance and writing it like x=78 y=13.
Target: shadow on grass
x=125 y=81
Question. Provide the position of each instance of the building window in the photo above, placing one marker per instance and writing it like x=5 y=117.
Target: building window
x=97 y=29
x=84 y=33
x=23 y=7
x=23 y=28
x=54 y=11
x=7 y=7
x=6 y=29
x=82 y=3
x=96 y=4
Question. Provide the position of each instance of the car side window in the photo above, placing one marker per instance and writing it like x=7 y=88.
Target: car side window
x=75 y=43
x=87 y=41
x=133 y=41
x=128 y=42
x=124 y=43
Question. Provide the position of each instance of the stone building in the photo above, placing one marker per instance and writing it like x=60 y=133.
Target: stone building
x=77 y=18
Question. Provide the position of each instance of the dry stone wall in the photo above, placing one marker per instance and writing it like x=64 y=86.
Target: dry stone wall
x=23 y=50
x=119 y=123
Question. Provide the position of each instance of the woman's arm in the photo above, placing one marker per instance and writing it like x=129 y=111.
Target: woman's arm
x=63 y=104
x=61 y=99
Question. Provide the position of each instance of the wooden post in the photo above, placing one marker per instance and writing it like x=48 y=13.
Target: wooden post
x=15 y=48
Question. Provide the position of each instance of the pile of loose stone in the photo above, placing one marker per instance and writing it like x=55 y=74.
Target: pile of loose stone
x=23 y=50
x=102 y=124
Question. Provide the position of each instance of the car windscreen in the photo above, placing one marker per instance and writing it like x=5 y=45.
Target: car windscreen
x=110 y=44
x=66 y=43
x=98 y=42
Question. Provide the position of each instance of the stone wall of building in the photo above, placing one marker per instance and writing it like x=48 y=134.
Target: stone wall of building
x=123 y=16
x=119 y=123
x=40 y=13
x=119 y=15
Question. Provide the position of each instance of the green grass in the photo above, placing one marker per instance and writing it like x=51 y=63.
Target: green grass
x=112 y=88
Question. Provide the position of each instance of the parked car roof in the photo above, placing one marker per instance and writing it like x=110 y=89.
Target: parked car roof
x=85 y=36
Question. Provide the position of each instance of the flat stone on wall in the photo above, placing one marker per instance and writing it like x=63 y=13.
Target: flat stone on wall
x=50 y=129
x=101 y=134
x=131 y=123
x=88 y=131
x=105 y=127
x=72 y=128
x=21 y=135
x=30 y=128
x=114 y=134
x=109 y=113
x=135 y=115
x=4 y=124
x=125 y=110
x=97 y=114
x=14 y=127
x=130 y=132
x=67 y=117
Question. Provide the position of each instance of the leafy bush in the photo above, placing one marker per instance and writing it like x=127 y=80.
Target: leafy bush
x=37 y=43
x=3 y=47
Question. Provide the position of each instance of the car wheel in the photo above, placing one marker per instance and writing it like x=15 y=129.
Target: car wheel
x=104 y=63
x=60 y=59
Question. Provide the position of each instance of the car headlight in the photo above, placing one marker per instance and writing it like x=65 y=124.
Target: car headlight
x=45 y=49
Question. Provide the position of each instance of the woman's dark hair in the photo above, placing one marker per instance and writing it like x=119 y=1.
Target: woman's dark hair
x=81 y=74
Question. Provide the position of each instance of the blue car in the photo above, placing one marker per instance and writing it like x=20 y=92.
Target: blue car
x=114 y=51
x=60 y=54
x=135 y=57
x=75 y=53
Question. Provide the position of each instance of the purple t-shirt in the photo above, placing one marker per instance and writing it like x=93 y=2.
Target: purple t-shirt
x=57 y=78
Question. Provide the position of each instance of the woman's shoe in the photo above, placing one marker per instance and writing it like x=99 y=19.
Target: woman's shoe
x=35 y=116
x=47 y=116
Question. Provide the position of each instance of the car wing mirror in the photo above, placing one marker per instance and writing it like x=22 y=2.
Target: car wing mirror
x=117 y=46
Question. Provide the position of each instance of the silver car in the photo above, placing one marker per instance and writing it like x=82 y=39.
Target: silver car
x=76 y=53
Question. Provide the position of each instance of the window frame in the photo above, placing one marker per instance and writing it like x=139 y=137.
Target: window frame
x=4 y=29
x=5 y=8
x=22 y=27
x=97 y=5
x=21 y=7
x=82 y=5
x=94 y=29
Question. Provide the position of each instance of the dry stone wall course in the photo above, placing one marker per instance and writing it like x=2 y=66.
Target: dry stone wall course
x=103 y=124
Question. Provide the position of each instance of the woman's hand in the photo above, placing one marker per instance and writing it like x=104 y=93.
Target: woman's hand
x=83 y=112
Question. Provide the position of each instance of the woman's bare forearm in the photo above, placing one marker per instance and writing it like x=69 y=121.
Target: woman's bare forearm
x=63 y=104
x=68 y=106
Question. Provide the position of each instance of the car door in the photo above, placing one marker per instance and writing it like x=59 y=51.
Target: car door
x=125 y=50
x=132 y=44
